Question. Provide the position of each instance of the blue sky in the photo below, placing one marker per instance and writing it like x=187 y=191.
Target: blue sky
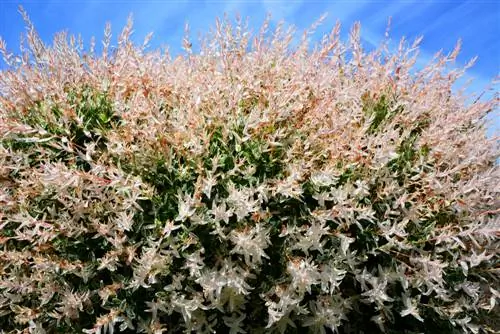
x=441 y=22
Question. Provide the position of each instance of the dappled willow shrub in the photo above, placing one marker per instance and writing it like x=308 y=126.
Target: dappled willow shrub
x=244 y=188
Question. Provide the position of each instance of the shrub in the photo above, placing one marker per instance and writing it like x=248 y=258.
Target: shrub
x=244 y=188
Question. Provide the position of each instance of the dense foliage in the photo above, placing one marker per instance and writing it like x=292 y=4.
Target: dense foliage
x=250 y=187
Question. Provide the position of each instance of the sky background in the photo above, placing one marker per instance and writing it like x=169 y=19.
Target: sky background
x=441 y=22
